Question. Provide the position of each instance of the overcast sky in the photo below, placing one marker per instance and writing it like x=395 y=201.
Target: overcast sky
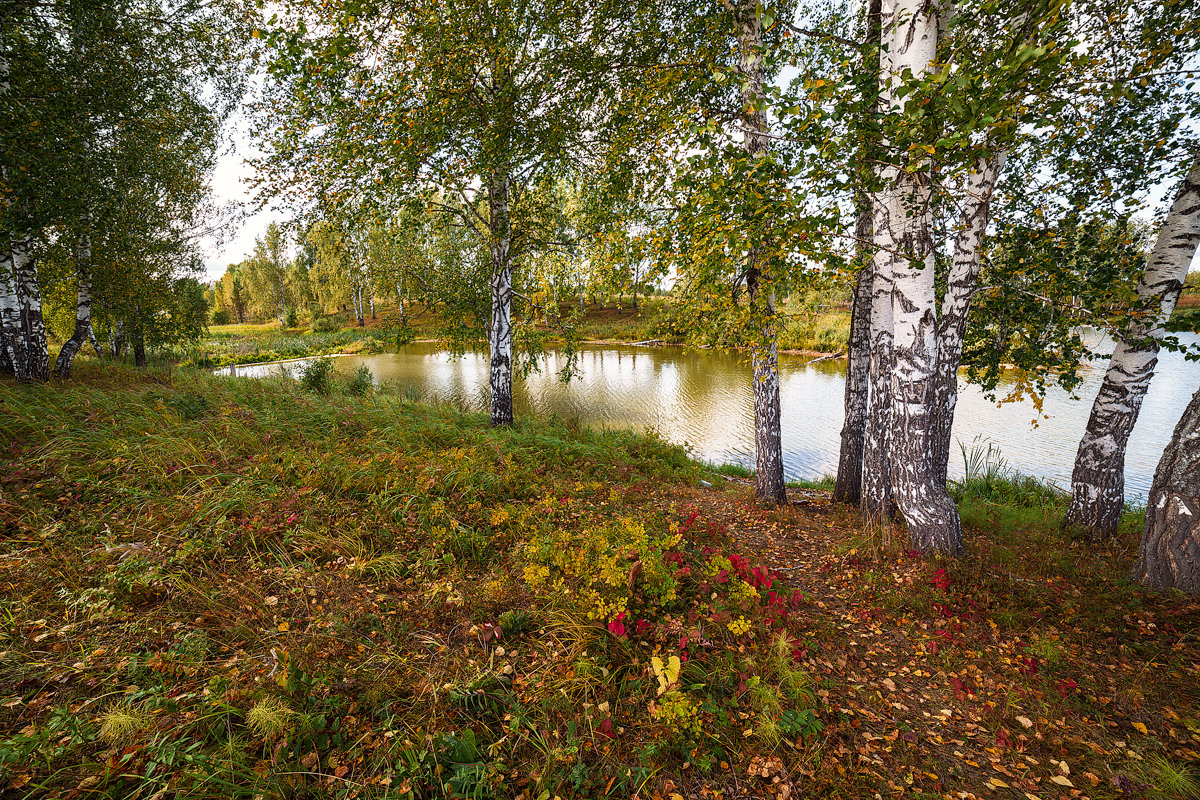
x=230 y=185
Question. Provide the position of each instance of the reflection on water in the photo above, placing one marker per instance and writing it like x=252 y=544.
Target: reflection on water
x=703 y=399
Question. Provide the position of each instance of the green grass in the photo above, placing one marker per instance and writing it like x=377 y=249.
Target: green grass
x=218 y=587
x=253 y=589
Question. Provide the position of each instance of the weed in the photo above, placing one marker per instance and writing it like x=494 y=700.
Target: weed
x=361 y=381
x=330 y=324
x=270 y=719
x=1168 y=781
x=122 y=723
x=515 y=622
x=315 y=375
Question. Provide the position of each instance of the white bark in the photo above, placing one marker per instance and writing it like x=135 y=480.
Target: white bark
x=12 y=345
x=12 y=350
x=29 y=301
x=83 y=307
x=95 y=343
x=768 y=439
x=848 y=488
x=876 y=501
x=1098 y=479
x=932 y=518
x=961 y=285
x=500 y=333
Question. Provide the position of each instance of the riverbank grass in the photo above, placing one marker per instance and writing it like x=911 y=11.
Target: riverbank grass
x=221 y=587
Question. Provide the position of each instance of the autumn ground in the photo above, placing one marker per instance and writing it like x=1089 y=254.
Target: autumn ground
x=232 y=588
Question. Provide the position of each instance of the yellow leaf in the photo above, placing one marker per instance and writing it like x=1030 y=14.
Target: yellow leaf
x=1141 y=728
x=666 y=674
x=283 y=626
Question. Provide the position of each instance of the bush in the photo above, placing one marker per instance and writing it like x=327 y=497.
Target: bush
x=361 y=381
x=326 y=325
x=220 y=317
x=314 y=375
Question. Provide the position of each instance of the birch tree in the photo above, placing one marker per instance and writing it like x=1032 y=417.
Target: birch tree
x=115 y=111
x=267 y=270
x=1169 y=552
x=1098 y=478
x=760 y=289
x=849 y=482
x=467 y=107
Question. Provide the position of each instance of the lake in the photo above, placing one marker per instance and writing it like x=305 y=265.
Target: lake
x=702 y=398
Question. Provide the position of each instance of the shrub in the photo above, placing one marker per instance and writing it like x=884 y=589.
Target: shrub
x=315 y=375
x=220 y=317
x=361 y=381
x=326 y=325
x=291 y=317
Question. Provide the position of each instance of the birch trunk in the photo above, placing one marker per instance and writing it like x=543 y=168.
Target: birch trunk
x=500 y=333
x=12 y=350
x=1169 y=553
x=956 y=305
x=848 y=487
x=83 y=309
x=116 y=339
x=1098 y=479
x=138 y=338
x=933 y=522
x=768 y=438
x=29 y=301
x=12 y=338
x=876 y=501
x=282 y=297
x=400 y=298
x=95 y=343
x=372 y=305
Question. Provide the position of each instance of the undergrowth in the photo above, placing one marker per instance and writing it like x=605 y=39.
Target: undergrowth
x=222 y=587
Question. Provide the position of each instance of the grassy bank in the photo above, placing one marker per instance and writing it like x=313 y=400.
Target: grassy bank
x=235 y=588
x=655 y=320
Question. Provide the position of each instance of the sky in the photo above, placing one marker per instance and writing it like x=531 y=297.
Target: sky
x=230 y=185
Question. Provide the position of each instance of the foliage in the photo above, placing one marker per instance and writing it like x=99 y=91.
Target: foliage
x=301 y=541
x=361 y=381
x=315 y=375
x=106 y=161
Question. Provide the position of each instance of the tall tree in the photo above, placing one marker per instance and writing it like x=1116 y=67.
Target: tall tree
x=848 y=485
x=471 y=116
x=267 y=269
x=760 y=289
x=115 y=110
x=1098 y=478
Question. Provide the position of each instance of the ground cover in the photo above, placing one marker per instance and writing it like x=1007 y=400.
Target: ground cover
x=228 y=587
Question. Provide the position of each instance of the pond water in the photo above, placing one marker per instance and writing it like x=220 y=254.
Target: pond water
x=702 y=398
